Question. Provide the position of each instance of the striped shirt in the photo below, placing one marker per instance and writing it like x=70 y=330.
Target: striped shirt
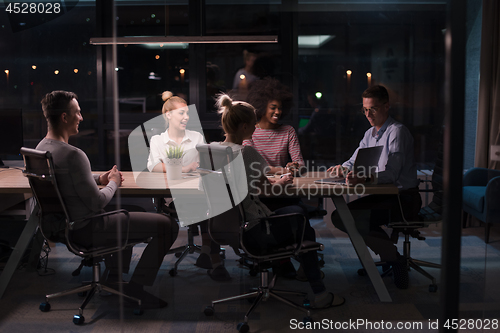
x=277 y=145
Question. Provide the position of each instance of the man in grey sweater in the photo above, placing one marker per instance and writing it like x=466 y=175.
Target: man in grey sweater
x=83 y=198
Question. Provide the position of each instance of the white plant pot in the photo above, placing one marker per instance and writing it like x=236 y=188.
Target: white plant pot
x=174 y=168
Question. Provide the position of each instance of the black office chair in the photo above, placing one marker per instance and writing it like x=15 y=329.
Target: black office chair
x=428 y=215
x=219 y=173
x=55 y=225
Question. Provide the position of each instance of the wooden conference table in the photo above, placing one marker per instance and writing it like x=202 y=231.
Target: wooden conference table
x=154 y=185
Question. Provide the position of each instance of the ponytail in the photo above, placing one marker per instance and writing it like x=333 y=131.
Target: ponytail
x=233 y=113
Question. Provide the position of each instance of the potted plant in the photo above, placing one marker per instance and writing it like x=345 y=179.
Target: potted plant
x=173 y=163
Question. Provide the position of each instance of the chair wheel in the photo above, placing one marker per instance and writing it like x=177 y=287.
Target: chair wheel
x=78 y=319
x=172 y=272
x=243 y=327
x=361 y=272
x=44 y=307
x=138 y=312
x=82 y=294
x=223 y=254
x=178 y=254
x=209 y=311
x=433 y=288
x=321 y=263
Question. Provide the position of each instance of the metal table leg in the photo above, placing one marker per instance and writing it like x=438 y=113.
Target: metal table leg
x=19 y=249
x=361 y=249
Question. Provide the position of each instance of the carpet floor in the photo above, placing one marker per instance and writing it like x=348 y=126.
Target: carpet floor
x=192 y=290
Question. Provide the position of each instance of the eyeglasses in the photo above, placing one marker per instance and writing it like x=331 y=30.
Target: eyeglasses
x=371 y=110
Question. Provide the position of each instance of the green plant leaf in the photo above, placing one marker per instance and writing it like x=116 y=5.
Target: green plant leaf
x=175 y=152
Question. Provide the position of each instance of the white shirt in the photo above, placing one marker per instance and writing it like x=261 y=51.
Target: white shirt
x=160 y=143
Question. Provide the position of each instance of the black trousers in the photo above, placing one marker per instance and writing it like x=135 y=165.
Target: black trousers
x=373 y=211
x=162 y=230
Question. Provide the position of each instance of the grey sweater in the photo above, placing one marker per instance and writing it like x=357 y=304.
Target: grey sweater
x=75 y=180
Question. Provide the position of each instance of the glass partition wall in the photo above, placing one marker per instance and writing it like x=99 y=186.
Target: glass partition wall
x=328 y=53
x=337 y=53
x=40 y=54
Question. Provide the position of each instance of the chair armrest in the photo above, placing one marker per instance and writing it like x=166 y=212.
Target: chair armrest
x=108 y=249
x=100 y=215
x=207 y=171
x=492 y=199
x=479 y=176
x=298 y=243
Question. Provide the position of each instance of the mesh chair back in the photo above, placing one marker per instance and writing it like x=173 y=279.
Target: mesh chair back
x=39 y=169
x=214 y=157
x=217 y=174
x=278 y=236
x=55 y=222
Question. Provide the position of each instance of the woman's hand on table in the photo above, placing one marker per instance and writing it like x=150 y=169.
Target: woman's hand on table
x=285 y=179
x=293 y=168
x=190 y=167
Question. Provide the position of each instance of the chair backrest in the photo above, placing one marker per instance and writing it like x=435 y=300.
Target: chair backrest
x=217 y=175
x=55 y=222
x=222 y=171
x=39 y=169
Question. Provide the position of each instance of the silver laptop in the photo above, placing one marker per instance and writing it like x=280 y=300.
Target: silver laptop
x=366 y=163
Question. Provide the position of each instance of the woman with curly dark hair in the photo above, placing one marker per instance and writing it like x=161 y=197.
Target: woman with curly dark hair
x=277 y=143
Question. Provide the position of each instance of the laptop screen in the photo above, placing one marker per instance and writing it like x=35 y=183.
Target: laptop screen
x=366 y=162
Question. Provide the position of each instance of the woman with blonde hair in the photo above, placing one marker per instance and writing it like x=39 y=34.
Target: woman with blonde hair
x=176 y=114
x=238 y=121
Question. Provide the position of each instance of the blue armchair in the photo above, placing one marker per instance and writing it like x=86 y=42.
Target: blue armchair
x=481 y=196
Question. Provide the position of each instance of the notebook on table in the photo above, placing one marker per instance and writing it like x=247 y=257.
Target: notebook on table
x=366 y=163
